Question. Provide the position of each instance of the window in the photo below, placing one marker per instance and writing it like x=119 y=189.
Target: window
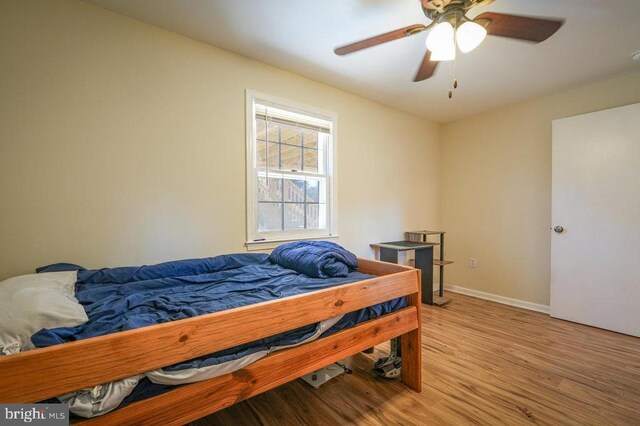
x=289 y=170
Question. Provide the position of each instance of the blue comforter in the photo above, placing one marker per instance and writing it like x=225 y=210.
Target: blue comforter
x=319 y=259
x=118 y=299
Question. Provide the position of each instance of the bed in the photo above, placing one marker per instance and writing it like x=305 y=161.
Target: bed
x=61 y=368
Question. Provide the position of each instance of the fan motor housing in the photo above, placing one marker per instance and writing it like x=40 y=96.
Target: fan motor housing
x=434 y=8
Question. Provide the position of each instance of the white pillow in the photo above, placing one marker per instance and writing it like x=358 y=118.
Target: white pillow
x=29 y=303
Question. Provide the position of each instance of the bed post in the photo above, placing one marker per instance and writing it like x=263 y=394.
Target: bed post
x=411 y=346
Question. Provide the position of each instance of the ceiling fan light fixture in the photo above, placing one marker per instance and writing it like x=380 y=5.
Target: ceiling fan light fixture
x=469 y=36
x=441 y=43
x=445 y=54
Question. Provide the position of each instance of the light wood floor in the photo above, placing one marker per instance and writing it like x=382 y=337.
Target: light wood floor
x=484 y=363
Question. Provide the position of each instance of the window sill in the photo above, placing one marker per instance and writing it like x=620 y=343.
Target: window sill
x=271 y=244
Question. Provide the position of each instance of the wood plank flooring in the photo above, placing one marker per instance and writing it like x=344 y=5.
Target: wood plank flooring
x=483 y=363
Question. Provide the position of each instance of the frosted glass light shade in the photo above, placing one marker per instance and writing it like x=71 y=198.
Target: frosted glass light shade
x=440 y=42
x=447 y=53
x=469 y=36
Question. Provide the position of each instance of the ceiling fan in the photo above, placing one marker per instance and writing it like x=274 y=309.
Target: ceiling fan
x=450 y=26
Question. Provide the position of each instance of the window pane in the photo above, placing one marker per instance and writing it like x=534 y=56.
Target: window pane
x=261 y=154
x=323 y=145
x=273 y=132
x=294 y=216
x=274 y=155
x=290 y=135
x=269 y=217
x=291 y=157
x=310 y=139
x=260 y=130
x=316 y=216
x=313 y=189
x=311 y=161
x=269 y=189
x=294 y=191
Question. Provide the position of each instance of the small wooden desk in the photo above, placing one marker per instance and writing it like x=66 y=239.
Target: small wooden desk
x=424 y=261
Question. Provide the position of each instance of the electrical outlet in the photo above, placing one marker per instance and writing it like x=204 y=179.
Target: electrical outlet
x=473 y=262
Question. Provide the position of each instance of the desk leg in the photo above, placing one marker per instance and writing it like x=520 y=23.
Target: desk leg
x=424 y=262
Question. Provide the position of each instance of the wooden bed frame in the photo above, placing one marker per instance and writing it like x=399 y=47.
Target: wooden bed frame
x=45 y=373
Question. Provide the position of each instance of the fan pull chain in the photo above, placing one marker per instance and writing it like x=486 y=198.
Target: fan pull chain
x=455 y=72
x=454 y=83
x=452 y=79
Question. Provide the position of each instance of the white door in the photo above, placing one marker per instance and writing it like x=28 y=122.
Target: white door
x=595 y=260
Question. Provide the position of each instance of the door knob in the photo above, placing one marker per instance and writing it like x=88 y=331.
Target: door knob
x=559 y=229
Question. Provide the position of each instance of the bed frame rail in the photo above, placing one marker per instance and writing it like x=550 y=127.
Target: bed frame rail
x=191 y=402
x=56 y=370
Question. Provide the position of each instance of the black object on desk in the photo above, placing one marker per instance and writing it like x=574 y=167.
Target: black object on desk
x=424 y=261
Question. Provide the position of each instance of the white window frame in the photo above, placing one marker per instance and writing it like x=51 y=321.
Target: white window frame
x=261 y=240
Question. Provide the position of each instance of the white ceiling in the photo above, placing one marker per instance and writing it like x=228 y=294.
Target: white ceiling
x=595 y=43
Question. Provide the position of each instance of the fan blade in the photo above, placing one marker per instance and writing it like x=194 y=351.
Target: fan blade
x=520 y=27
x=379 y=39
x=427 y=67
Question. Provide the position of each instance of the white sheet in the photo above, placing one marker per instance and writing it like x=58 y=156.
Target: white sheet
x=105 y=398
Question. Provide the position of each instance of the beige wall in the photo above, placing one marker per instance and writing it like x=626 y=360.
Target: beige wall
x=495 y=198
x=122 y=143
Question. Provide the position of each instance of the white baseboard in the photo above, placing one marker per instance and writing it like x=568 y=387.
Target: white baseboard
x=496 y=298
